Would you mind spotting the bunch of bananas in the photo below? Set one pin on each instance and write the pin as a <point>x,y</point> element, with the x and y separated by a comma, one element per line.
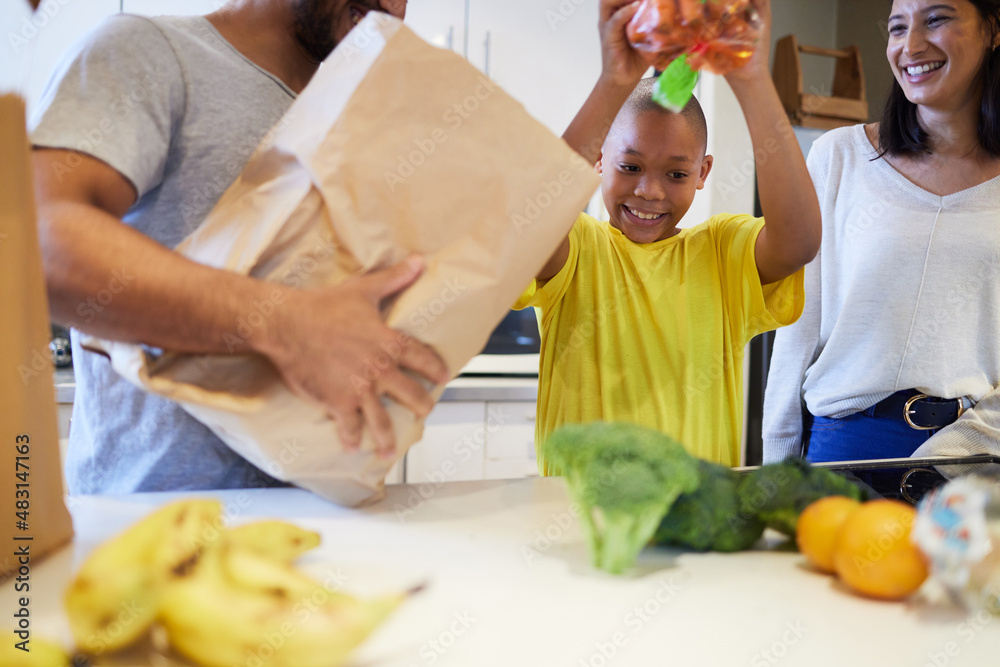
<point>223,596</point>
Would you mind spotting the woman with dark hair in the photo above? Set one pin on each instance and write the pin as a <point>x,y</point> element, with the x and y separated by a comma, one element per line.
<point>901,329</point>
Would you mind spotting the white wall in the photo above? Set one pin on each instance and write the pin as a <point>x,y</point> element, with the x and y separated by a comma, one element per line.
<point>865,22</point>
<point>15,46</point>
<point>814,23</point>
<point>32,45</point>
<point>730,185</point>
<point>835,24</point>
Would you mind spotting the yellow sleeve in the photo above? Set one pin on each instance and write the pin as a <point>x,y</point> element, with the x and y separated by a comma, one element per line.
<point>754,308</point>
<point>545,295</point>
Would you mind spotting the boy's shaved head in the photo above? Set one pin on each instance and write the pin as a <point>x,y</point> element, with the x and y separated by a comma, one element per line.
<point>652,164</point>
<point>641,101</point>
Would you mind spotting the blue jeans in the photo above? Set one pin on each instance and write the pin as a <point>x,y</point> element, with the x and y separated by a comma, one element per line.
<point>860,436</point>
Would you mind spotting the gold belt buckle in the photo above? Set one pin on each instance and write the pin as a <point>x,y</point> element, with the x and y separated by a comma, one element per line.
<point>907,412</point>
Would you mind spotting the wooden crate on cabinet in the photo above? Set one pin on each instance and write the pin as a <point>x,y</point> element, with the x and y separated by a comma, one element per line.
<point>846,106</point>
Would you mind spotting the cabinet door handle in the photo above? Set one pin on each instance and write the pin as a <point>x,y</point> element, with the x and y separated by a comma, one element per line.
<point>451,38</point>
<point>486,54</point>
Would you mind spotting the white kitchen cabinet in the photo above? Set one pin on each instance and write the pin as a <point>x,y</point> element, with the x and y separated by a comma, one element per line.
<point>440,22</point>
<point>64,413</point>
<point>471,440</point>
<point>397,473</point>
<point>453,447</point>
<point>510,440</point>
<point>544,53</point>
<point>34,44</point>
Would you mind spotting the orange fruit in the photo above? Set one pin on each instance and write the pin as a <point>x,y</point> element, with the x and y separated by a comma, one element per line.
<point>819,523</point>
<point>873,553</point>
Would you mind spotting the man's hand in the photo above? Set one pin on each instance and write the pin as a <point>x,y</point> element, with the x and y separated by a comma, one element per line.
<point>331,345</point>
<point>323,341</point>
<point>621,64</point>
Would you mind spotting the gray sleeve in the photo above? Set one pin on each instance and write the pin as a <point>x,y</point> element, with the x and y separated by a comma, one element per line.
<point>794,350</point>
<point>117,99</point>
<point>977,431</point>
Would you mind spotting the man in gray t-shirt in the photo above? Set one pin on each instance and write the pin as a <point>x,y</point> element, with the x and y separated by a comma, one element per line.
<point>148,125</point>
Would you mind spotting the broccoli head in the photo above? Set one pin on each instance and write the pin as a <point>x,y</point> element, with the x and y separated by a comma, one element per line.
<point>778,492</point>
<point>624,477</point>
<point>709,518</point>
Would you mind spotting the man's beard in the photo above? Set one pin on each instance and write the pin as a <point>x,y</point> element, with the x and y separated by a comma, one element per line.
<point>314,21</point>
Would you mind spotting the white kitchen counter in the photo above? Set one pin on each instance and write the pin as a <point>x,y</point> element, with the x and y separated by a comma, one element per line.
<point>496,408</point>
<point>462,388</point>
<point>509,584</point>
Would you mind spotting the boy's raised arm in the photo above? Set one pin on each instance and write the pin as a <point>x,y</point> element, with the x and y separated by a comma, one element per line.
<point>791,235</point>
<point>622,67</point>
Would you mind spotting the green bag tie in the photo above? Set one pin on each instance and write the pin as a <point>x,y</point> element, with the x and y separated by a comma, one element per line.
<point>675,86</point>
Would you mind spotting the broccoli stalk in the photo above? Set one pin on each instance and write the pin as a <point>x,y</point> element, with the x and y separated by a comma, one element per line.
<point>625,477</point>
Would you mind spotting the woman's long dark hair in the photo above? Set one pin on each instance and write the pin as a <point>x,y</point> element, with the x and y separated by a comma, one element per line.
<point>899,130</point>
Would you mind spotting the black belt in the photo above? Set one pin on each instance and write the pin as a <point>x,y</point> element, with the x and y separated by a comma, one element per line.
<point>920,411</point>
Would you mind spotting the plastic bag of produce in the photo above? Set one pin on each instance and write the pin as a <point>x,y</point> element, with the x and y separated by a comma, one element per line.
<point>394,148</point>
<point>681,37</point>
<point>958,530</point>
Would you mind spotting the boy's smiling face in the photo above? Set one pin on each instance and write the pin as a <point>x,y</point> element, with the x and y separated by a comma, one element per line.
<point>651,165</point>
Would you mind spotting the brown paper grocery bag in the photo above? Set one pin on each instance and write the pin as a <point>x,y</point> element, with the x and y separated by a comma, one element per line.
<point>395,147</point>
<point>33,515</point>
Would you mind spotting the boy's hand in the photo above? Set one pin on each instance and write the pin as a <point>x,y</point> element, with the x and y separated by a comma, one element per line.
<point>758,66</point>
<point>622,65</point>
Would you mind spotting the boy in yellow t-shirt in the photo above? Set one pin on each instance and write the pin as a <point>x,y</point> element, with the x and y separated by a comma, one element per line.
<point>647,323</point>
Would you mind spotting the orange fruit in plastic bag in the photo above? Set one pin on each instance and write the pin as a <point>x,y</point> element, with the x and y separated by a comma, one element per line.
<point>818,526</point>
<point>873,553</point>
<point>717,35</point>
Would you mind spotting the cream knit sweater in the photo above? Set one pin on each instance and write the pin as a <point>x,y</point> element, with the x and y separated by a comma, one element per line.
<point>905,293</point>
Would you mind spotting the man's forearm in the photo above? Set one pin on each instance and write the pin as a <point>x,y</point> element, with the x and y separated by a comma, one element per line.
<point>107,279</point>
